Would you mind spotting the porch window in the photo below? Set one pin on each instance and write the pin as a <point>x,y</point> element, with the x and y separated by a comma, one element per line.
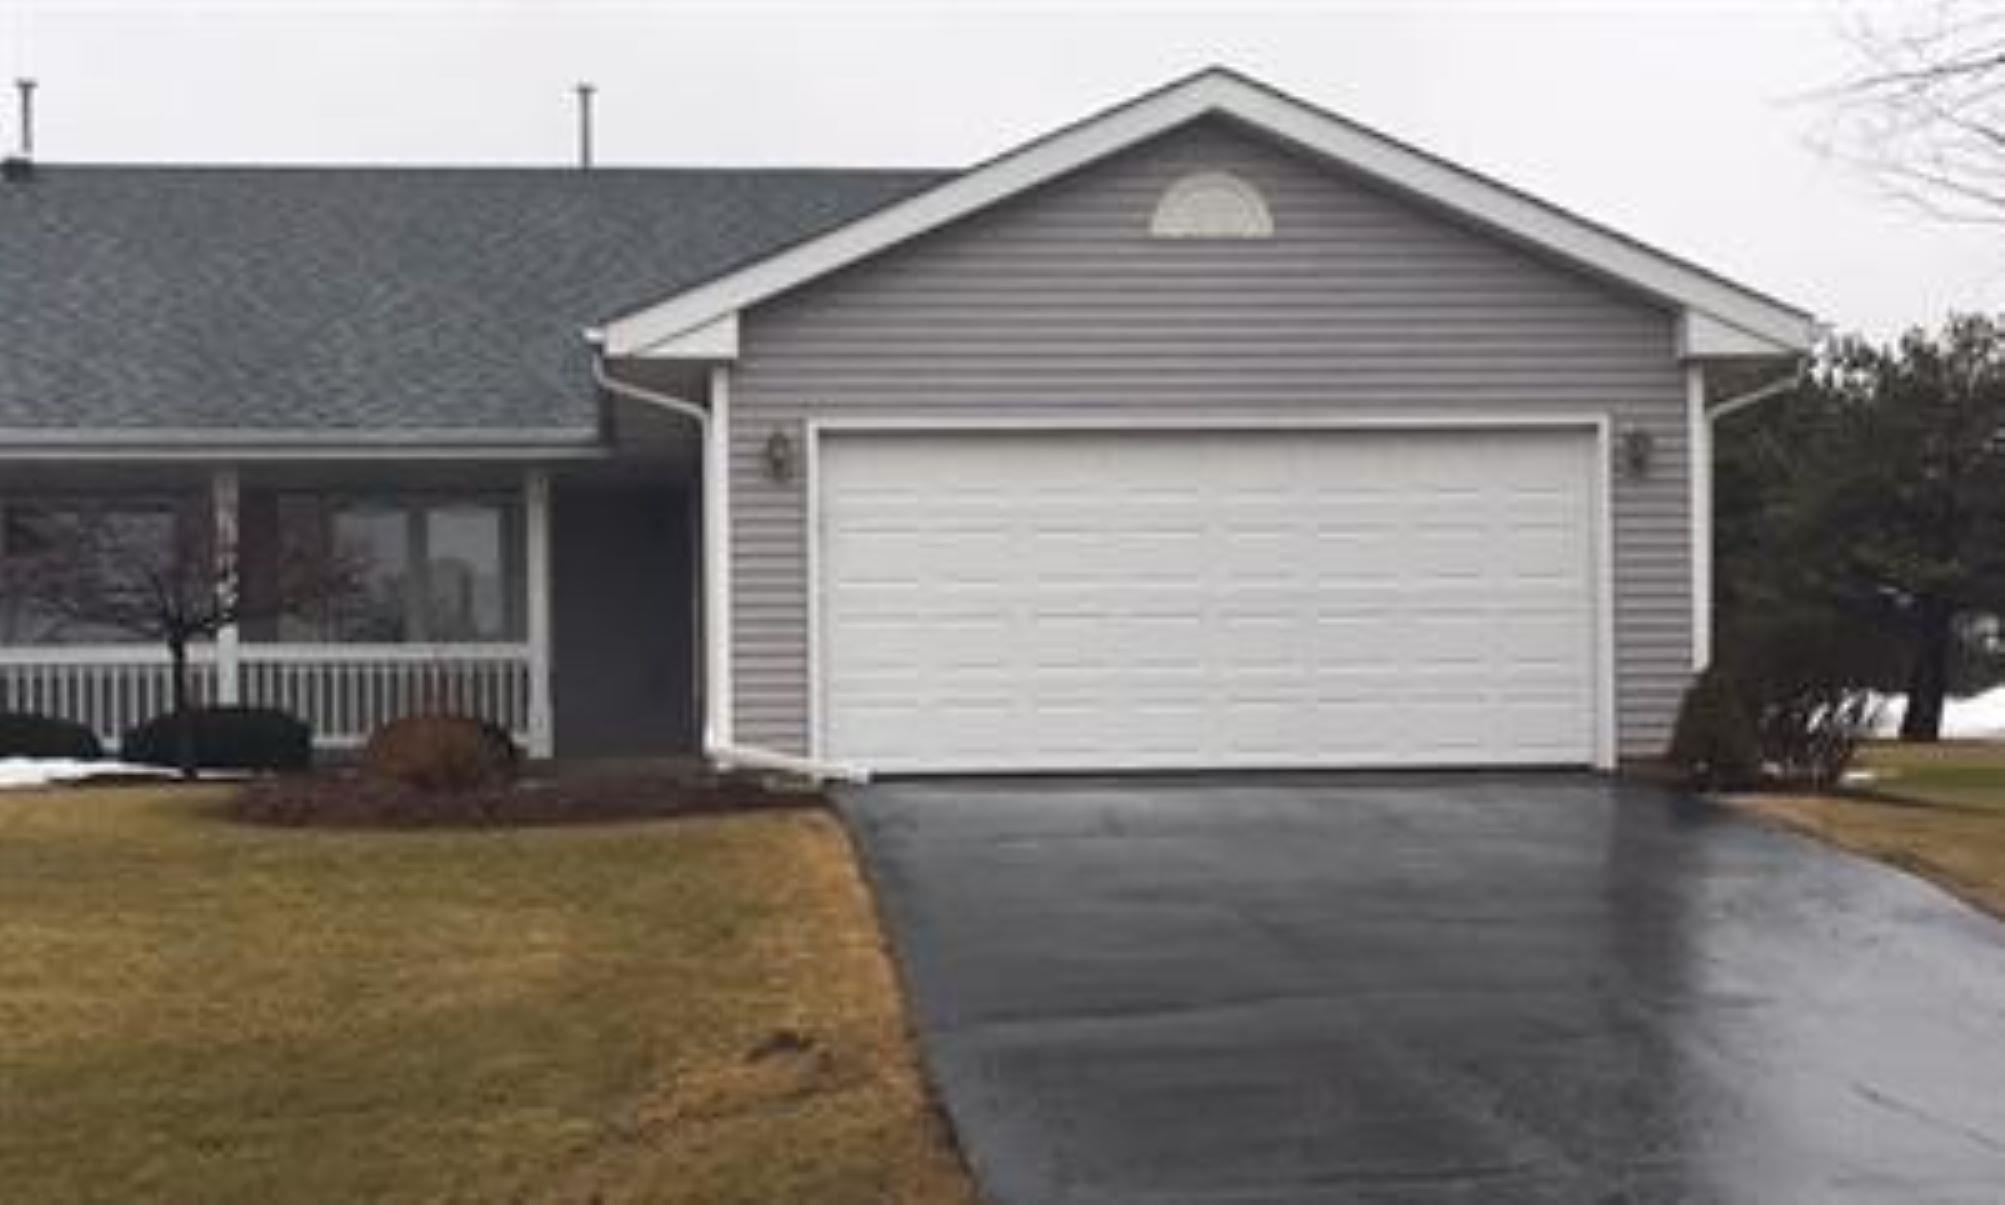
<point>50,544</point>
<point>426,569</point>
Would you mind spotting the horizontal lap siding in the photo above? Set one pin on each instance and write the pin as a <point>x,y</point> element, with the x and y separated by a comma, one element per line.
<point>1059,303</point>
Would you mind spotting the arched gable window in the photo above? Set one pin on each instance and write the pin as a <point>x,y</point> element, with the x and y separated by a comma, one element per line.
<point>1212,205</point>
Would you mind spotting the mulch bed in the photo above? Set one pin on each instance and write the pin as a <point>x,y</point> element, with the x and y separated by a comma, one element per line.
<point>350,799</point>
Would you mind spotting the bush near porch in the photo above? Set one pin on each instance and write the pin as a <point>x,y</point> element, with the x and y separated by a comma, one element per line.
<point>221,738</point>
<point>25,734</point>
<point>690,1011</point>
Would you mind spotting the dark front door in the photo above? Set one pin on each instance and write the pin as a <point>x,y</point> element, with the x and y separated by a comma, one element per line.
<point>623,604</point>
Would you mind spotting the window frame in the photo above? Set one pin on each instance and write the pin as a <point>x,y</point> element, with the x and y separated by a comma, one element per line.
<point>181,507</point>
<point>415,508</point>
<point>1212,205</point>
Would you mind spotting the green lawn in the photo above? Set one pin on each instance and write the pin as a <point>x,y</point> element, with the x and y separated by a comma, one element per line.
<point>1954,773</point>
<point>193,1010</point>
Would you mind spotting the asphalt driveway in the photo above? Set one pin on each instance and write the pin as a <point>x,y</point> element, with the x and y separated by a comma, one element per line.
<point>1456,988</point>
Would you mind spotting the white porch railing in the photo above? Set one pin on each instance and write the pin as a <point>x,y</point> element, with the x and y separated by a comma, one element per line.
<point>344,692</point>
<point>348,691</point>
<point>108,688</point>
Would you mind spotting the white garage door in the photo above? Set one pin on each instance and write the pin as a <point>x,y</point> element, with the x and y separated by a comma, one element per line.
<point>1199,598</point>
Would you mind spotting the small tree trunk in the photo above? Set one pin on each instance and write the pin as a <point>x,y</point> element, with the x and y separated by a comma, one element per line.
<point>1928,676</point>
<point>184,719</point>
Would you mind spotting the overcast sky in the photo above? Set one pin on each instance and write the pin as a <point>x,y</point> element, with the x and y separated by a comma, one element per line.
<point>1692,124</point>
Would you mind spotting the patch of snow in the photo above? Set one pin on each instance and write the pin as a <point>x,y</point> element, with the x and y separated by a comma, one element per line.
<point>1976,718</point>
<point>17,772</point>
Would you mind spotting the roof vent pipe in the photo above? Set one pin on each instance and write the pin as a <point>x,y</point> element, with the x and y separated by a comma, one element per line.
<point>585,91</point>
<point>21,165</point>
<point>26,87</point>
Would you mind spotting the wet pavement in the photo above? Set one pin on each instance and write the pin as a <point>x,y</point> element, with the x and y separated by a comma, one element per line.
<point>1439,988</point>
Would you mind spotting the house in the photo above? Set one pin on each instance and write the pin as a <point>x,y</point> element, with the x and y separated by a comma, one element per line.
<point>1212,430</point>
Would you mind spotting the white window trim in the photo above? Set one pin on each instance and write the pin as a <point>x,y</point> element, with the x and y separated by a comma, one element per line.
<point>1601,515</point>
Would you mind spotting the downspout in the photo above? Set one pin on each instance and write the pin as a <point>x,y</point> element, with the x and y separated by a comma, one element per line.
<point>718,748</point>
<point>1704,421</point>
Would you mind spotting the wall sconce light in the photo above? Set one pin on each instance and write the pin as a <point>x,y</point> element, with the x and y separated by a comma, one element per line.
<point>1638,448</point>
<point>780,456</point>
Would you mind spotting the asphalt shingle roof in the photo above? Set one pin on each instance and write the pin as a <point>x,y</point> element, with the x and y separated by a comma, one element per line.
<point>301,301</point>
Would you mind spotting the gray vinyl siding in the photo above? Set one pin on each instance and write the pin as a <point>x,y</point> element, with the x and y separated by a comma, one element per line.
<point>1059,303</point>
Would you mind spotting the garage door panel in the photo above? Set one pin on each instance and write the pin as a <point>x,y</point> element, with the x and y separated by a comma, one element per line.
<point>1262,558</point>
<point>1182,599</point>
<point>1258,644</point>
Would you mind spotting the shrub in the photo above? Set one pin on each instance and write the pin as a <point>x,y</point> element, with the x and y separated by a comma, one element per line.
<point>225,738</point>
<point>1808,736</point>
<point>1715,742</point>
<point>441,753</point>
<point>23,734</point>
<point>1805,676</point>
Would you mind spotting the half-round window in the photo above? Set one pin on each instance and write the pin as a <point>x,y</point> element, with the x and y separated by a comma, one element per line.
<point>1212,205</point>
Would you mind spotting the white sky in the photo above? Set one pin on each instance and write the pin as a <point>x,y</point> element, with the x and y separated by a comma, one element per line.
<point>1688,123</point>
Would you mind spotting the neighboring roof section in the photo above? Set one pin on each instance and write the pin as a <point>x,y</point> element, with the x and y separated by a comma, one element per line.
<point>1718,317</point>
<point>323,303</point>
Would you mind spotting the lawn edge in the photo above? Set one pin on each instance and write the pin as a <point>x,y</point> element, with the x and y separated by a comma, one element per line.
<point>915,1034</point>
<point>1752,807</point>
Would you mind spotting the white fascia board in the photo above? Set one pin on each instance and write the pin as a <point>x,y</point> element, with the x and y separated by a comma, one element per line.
<point>715,341</point>
<point>1690,289</point>
<point>1704,337</point>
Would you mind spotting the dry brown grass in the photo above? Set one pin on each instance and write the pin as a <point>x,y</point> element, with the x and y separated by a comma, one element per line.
<point>1960,848</point>
<point>696,1010</point>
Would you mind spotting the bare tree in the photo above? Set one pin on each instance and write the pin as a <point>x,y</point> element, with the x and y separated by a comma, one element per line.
<point>1926,114</point>
<point>165,574</point>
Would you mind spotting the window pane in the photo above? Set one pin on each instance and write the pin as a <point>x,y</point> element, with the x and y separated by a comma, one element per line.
<point>75,571</point>
<point>30,530</point>
<point>141,537</point>
<point>466,572</point>
<point>299,537</point>
<point>390,568</point>
<point>375,539</point>
<point>30,538</point>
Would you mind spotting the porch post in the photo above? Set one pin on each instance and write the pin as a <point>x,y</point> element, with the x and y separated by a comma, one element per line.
<point>1699,476</point>
<point>536,528</point>
<point>224,493</point>
<point>718,704</point>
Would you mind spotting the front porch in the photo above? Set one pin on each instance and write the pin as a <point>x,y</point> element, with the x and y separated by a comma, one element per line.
<point>486,589</point>
<point>344,692</point>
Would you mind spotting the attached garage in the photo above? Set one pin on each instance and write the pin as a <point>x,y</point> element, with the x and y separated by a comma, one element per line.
<point>1143,598</point>
<point>1214,430</point>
